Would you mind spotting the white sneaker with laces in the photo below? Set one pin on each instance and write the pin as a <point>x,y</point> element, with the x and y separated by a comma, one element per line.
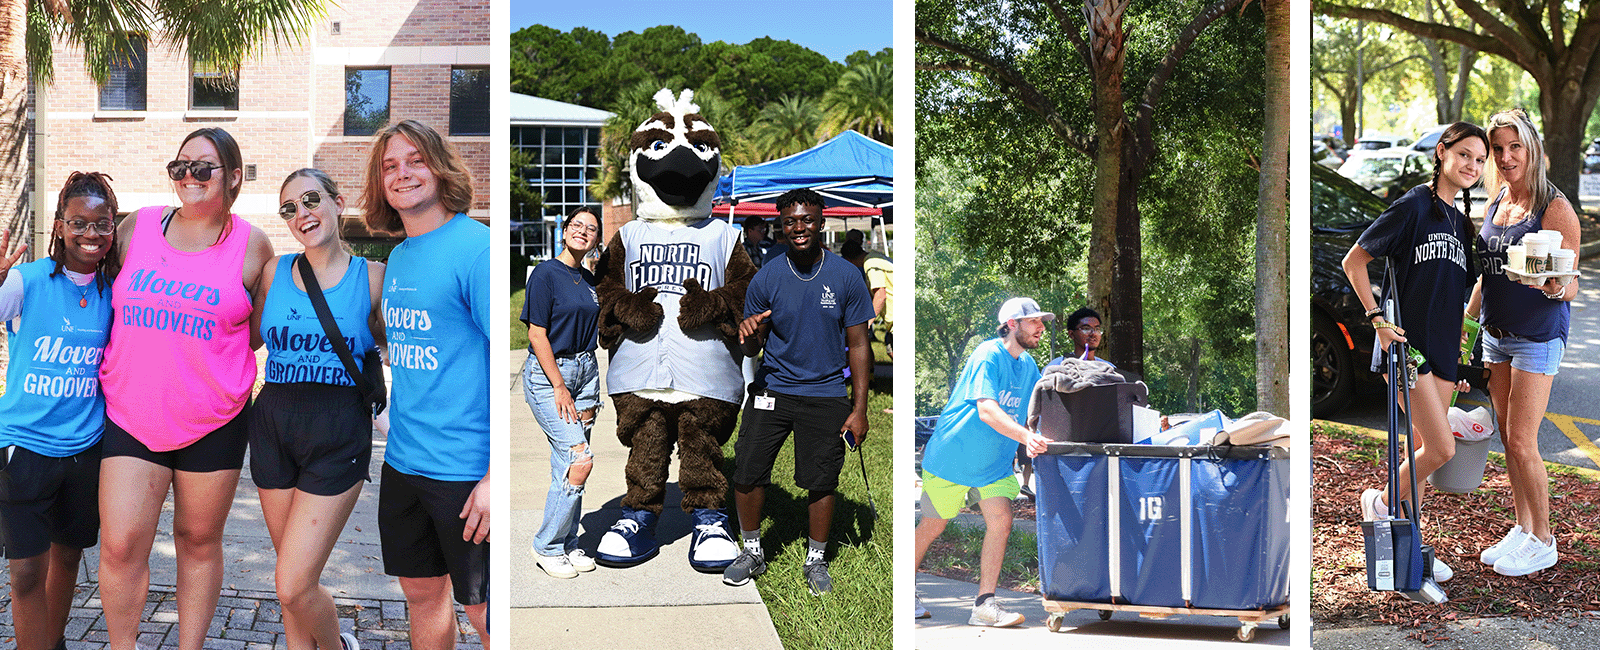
<point>1532,555</point>
<point>1372,506</point>
<point>1512,540</point>
<point>580,560</point>
<point>557,566</point>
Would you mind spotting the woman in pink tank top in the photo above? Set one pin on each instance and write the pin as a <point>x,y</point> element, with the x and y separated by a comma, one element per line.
<point>177,373</point>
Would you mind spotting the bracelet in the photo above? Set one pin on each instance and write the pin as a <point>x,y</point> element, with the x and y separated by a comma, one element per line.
<point>1384,325</point>
<point>1557,295</point>
<point>1374,312</point>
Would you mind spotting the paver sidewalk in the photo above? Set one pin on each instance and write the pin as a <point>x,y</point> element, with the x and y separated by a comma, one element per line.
<point>248,617</point>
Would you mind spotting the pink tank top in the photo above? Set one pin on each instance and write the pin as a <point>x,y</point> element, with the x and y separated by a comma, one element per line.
<point>178,364</point>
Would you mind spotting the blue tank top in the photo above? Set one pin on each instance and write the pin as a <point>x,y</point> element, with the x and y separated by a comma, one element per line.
<point>52,405</point>
<point>1511,306</point>
<point>297,348</point>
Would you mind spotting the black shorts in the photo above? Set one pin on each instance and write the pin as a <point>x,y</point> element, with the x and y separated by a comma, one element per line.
<point>216,451</point>
<point>420,529</point>
<point>316,438</point>
<point>44,500</point>
<point>818,449</point>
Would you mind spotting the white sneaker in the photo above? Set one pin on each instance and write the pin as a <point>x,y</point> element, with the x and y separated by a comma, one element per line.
<point>349,642</point>
<point>1372,506</point>
<point>922,612</point>
<point>1532,555</point>
<point>1441,571</point>
<point>558,566</point>
<point>580,560</point>
<point>1512,540</point>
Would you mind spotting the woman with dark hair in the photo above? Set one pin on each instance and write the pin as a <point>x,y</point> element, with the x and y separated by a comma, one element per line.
<point>1425,239</point>
<point>561,382</point>
<point>178,370</point>
<point>1525,331</point>
<point>310,429</point>
<point>52,419</point>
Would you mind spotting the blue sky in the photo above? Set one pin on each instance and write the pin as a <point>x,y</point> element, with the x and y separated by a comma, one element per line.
<point>834,28</point>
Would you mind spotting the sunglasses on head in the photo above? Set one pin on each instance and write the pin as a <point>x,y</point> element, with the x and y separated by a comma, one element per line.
<point>199,169</point>
<point>311,199</point>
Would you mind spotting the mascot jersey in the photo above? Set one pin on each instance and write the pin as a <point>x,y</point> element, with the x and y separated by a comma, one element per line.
<point>703,361</point>
<point>53,405</point>
<point>436,316</point>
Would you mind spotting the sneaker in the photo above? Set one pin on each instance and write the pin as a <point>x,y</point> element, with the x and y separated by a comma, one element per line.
<point>711,550</point>
<point>631,540</point>
<point>990,614</point>
<point>1511,541</point>
<point>1372,506</point>
<point>748,565</point>
<point>1528,557</point>
<point>817,577</point>
<point>557,566</point>
<point>1441,571</point>
<point>349,642</point>
<point>580,560</point>
<point>922,612</point>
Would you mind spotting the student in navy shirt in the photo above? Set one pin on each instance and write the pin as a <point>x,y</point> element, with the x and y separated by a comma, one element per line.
<point>53,416</point>
<point>561,383</point>
<point>804,309</point>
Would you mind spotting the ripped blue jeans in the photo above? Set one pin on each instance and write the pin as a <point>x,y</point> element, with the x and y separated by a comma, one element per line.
<point>564,502</point>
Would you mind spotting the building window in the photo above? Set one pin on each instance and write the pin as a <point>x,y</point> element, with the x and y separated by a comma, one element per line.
<point>125,82</point>
<point>366,100</point>
<point>213,88</point>
<point>469,101</point>
<point>561,161</point>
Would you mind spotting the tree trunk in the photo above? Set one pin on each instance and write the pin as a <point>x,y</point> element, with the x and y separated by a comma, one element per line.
<point>1106,256</point>
<point>1458,104</point>
<point>14,152</point>
<point>1126,316</point>
<point>1566,114</point>
<point>1272,221</point>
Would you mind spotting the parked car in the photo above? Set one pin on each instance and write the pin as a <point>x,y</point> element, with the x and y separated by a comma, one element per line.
<point>1429,139</point>
<point>1388,173</point>
<point>1377,140</point>
<point>1341,335</point>
<point>1325,156</point>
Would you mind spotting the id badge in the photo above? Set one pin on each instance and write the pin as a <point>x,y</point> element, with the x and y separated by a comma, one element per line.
<point>765,402</point>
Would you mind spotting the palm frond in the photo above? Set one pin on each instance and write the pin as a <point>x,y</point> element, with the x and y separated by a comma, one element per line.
<point>225,33</point>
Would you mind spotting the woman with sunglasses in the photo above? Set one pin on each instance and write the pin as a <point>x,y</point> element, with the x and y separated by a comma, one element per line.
<point>51,422</point>
<point>310,430</point>
<point>561,382</point>
<point>1429,246</point>
<point>178,369</point>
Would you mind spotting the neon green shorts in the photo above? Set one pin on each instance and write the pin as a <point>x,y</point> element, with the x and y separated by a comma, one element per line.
<point>943,499</point>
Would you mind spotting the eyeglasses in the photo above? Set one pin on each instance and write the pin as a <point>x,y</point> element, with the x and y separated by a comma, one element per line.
<point>199,169</point>
<point>312,199</point>
<point>1089,330</point>
<point>79,226</point>
<point>581,227</point>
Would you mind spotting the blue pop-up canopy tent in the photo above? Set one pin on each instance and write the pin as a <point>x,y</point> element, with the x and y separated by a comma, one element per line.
<point>848,170</point>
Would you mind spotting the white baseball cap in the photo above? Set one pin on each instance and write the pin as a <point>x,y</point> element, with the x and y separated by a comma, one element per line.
<point>1016,308</point>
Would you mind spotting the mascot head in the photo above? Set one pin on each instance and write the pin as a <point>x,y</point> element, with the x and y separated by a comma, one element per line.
<point>674,158</point>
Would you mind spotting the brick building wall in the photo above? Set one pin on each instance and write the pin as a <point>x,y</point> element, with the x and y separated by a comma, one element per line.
<point>290,113</point>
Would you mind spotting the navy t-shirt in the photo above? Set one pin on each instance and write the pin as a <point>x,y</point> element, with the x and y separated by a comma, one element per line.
<point>1431,266</point>
<point>806,350</point>
<point>562,300</point>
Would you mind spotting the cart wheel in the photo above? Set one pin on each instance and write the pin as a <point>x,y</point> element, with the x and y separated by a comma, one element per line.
<point>1283,622</point>
<point>1247,632</point>
<point>1105,614</point>
<point>1053,623</point>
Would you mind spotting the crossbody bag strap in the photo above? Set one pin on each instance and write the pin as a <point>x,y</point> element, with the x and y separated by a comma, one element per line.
<point>329,327</point>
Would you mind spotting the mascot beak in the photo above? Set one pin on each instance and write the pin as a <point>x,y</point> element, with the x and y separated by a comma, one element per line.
<point>680,177</point>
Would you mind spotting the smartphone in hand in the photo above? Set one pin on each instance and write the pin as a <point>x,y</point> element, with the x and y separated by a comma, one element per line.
<point>849,437</point>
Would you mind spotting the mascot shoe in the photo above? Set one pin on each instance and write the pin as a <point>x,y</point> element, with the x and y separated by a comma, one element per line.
<point>630,541</point>
<point>710,548</point>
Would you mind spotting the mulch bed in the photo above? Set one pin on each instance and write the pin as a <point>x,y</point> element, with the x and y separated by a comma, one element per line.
<point>1459,526</point>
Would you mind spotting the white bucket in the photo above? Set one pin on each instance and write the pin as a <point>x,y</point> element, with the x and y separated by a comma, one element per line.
<point>1464,471</point>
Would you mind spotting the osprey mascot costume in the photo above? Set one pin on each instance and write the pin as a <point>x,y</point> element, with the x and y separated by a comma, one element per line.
<point>671,294</point>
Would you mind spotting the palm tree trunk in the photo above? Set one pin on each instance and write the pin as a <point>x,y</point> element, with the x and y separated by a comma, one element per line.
<point>1272,221</point>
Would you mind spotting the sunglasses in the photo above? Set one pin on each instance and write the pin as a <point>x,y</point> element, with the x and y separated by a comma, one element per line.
<point>199,169</point>
<point>312,199</point>
<point>79,226</point>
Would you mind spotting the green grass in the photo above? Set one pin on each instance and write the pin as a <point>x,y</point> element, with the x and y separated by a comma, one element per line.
<point>1020,568</point>
<point>519,331</point>
<point>858,613</point>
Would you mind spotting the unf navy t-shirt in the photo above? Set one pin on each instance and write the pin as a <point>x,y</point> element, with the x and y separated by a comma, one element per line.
<point>562,300</point>
<point>964,450</point>
<point>1430,265</point>
<point>806,344</point>
<point>436,311</point>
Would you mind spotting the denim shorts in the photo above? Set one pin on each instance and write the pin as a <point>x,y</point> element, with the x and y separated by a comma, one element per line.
<point>582,376</point>
<point>1524,354</point>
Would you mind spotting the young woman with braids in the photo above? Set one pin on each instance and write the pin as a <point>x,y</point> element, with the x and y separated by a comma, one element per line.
<point>1525,331</point>
<point>52,417</point>
<point>1425,239</point>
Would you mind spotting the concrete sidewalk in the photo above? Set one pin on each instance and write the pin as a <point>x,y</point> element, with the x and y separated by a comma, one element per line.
<point>662,603</point>
<point>248,617</point>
